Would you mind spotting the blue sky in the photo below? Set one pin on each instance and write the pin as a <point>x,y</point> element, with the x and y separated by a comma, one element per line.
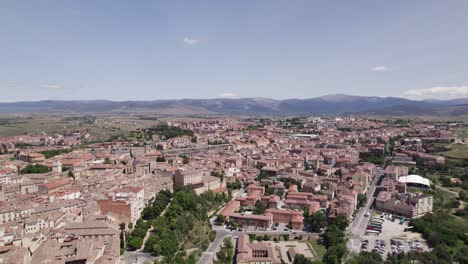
<point>149,50</point>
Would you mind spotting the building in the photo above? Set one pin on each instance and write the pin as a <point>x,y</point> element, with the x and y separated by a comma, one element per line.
<point>394,172</point>
<point>251,220</point>
<point>294,218</point>
<point>93,229</point>
<point>229,209</point>
<point>210,183</point>
<point>184,178</point>
<point>8,213</point>
<point>127,203</point>
<point>261,252</point>
<point>78,251</point>
<point>31,157</point>
<point>272,201</point>
<point>55,186</point>
<point>415,180</point>
<point>408,205</point>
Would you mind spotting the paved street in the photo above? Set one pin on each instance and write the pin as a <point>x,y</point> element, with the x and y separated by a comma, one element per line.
<point>137,257</point>
<point>358,226</point>
<point>222,233</point>
<point>214,246</point>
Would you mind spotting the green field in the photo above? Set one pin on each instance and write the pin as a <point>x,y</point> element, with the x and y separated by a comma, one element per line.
<point>456,151</point>
<point>318,248</point>
<point>462,133</point>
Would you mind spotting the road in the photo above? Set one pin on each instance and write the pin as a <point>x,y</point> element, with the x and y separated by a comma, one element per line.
<point>222,233</point>
<point>137,257</point>
<point>208,255</point>
<point>358,226</point>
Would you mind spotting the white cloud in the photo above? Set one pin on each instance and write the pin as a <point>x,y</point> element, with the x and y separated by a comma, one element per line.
<point>190,41</point>
<point>379,68</point>
<point>440,92</point>
<point>52,86</point>
<point>227,95</point>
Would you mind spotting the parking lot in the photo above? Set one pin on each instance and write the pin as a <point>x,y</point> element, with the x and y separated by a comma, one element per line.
<point>389,236</point>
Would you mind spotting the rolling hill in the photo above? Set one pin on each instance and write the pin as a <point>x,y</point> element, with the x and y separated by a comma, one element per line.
<point>325,105</point>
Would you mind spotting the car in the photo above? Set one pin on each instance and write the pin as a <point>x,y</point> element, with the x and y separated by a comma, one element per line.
<point>366,214</point>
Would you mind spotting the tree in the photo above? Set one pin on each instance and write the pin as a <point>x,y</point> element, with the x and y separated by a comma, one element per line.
<point>185,159</point>
<point>150,243</point>
<point>36,168</point>
<point>365,257</point>
<point>372,158</point>
<point>330,259</point>
<point>122,240</point>
<point>220,219</point>
<point>234,185</point>
<point>301,259</point>
<point>134,243</point>
<point>228,242</point>
<point>54,152</point>
<point>453,203</point>
<point>337,251</point>
<point>362,200</point>
<point>305,212</point>
<point>139,232</point>
<point>107,161</point>
<point>71,174</point>
<point>462,195</point>
<point>218,174</point>
<point>169,244</point>
<point>318,221</point>
<point>233,223</point>
<point>212,235</point>
<point>341,221</point>
<point>259,207</point>
<point>332,236</point>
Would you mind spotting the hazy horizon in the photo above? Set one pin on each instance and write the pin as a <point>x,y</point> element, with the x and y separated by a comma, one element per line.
<point>234,98</point>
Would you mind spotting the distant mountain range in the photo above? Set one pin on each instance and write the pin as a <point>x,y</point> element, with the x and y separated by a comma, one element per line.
<point>325,105</point>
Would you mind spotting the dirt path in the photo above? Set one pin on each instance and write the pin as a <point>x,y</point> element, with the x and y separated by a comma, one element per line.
<point>148,233</point>
<point>462,203</point>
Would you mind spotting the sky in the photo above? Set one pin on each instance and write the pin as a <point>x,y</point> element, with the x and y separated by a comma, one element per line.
<point>151,50</point>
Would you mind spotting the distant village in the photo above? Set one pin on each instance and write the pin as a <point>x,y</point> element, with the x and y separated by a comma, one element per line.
<point>64,198</point>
